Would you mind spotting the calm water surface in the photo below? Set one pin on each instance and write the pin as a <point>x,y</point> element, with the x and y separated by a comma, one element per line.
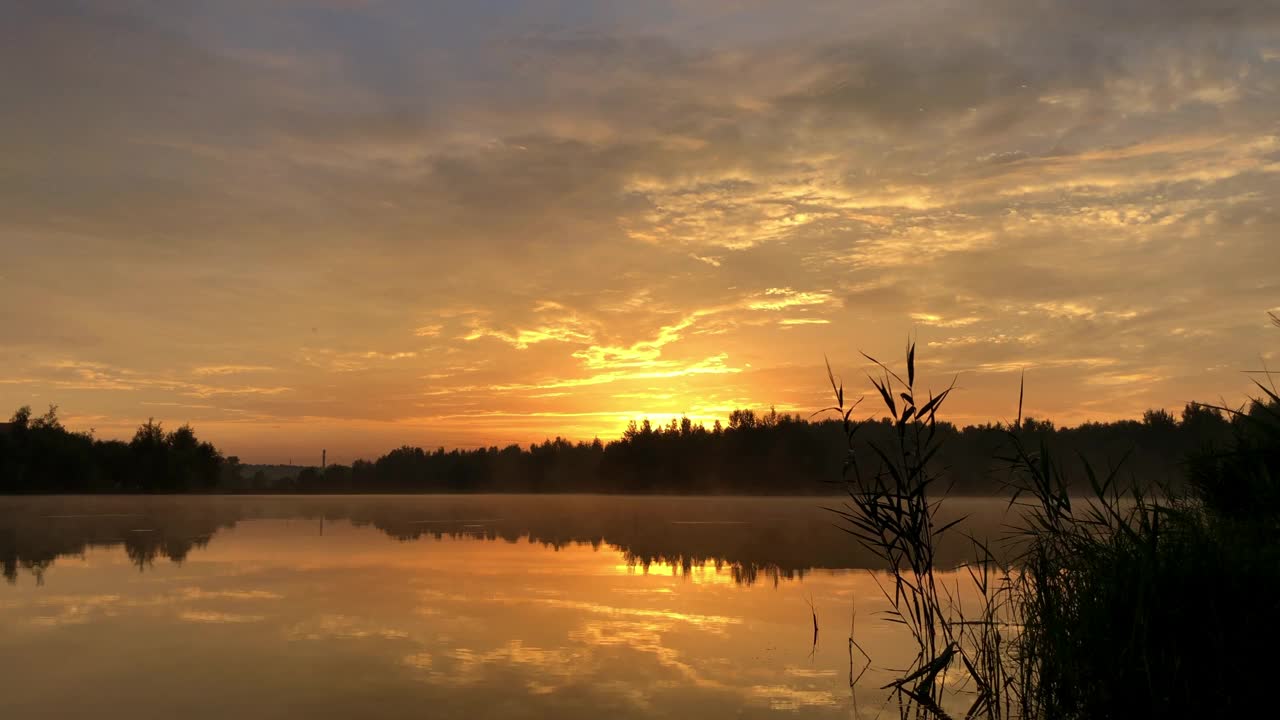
<point>440,606</point>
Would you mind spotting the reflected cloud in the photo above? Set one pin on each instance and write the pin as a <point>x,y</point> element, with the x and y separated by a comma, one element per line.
<point>194,593</point>
<point>343,627</point>
<point>712,623</point>
<point>511,602</point>
<point>785,698</point>
<point>218,618</point>
<point>71,610</point>
<point>645,638</point>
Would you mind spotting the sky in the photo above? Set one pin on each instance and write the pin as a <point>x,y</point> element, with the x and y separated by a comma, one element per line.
<point>358,224</point>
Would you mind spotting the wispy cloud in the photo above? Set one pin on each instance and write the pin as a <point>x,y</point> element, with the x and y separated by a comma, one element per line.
<point>714,365</point>
<point>783,298</point>
<point>230,369</point>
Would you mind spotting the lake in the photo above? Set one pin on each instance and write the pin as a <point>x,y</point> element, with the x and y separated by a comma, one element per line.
<point>444,606</point>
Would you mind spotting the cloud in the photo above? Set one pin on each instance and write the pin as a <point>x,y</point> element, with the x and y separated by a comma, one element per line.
<point>522,339</point>
<point>783,298</point>
<point>332,232</point>
<point>714,365</point>
<point>643,353</point>
<point>69,374</point>
<point>230,369</point>
<point>939,321</point>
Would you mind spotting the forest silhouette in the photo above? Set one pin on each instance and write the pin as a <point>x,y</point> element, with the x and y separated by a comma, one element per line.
<point>767,453</point>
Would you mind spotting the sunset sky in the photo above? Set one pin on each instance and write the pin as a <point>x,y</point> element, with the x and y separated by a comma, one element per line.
<point>359,224</point>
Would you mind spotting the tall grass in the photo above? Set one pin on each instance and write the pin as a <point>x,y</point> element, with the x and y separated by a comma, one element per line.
<point>894,495</point>
<point>1131,602</point>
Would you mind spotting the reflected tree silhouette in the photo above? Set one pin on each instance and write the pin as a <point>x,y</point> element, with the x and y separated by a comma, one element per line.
<point>753,539</point>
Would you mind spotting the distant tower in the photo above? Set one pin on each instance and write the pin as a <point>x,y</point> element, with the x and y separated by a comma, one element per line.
<point>324,458</point>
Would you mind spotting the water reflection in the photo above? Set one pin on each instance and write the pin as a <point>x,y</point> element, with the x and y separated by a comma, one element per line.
<point>749,538</point>
<point>488,607</point>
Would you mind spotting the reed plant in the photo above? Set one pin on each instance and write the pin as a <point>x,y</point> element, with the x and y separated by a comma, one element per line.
<point>1131,601</point>
<point>894,494</point>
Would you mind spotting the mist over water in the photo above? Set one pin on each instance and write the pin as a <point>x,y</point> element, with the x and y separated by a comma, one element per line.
<point>476,606</point>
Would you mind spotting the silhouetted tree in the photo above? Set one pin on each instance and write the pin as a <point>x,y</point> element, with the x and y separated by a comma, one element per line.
<point>39,455</point>
<point>755,453</point>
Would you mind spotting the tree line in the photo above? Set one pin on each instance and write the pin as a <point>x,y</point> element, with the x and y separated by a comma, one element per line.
<point>754,453</point>
<point>39,455</point>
